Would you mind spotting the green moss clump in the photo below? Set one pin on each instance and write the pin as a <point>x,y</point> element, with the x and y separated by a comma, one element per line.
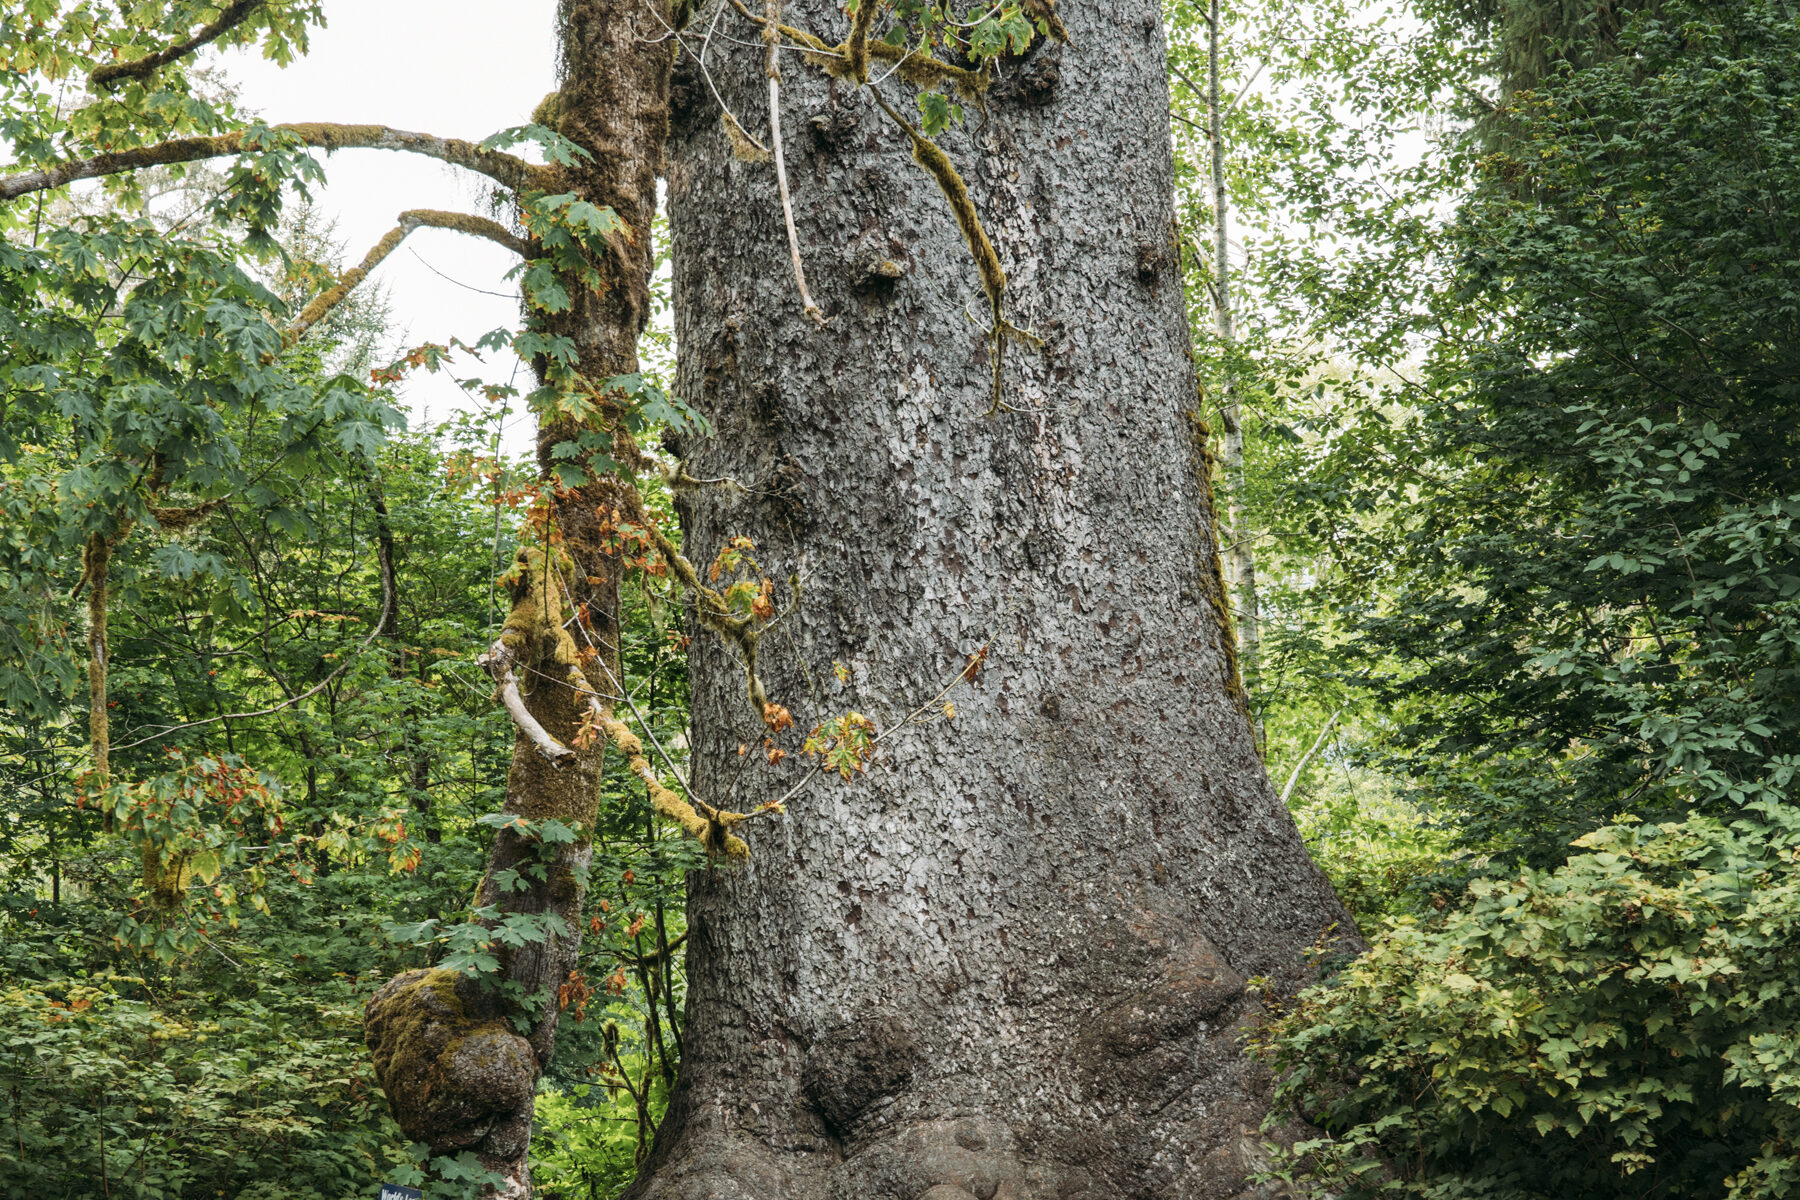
<point>451,1068</point>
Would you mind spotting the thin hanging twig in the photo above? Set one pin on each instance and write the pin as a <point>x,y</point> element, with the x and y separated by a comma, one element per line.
<point>772,68</point>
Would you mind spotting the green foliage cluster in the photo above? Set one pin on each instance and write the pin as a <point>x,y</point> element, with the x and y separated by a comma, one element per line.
<point>245,1026</point>
<point>1532,542</point>
<point>304,765</point>
<point>243,1091</point>
<point>217,1047</point>
<point>207,1046</point>
<point>133,377</point>
<point>1622,1025</point>
<point>581,1148</point>
<point>1590,566</point>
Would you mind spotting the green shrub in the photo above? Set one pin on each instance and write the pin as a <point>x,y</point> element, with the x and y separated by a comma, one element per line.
<point>1382,855</point>
<point>1626,1024</point>
<point>103,1094</point>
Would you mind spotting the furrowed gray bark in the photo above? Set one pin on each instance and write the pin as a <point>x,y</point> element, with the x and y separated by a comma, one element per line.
<point>1011,960</point>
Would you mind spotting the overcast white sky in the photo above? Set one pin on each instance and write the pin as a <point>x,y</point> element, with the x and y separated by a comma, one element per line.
<point>460,68</point>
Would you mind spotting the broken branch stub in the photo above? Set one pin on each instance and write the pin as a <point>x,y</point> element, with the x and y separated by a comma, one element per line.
<point>498,663</point>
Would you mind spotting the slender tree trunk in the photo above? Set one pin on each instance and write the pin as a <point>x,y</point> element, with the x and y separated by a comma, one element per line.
<point>1011,960</point>
<point>450,1056</point>
<point>96,564</point>
<point>96,571</point>
<point>412,744</point>
<point>162,886</point>
<point>1240,555</point>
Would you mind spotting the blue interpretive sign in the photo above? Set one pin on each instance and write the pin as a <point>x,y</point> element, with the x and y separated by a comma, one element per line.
<point>393,1191</point>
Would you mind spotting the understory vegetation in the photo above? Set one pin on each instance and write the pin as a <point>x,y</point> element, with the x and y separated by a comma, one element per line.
<point>1515,356</point>
<point>1531,538</point>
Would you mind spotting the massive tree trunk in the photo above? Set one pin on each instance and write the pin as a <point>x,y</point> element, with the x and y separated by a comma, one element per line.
<point>1011,960</point>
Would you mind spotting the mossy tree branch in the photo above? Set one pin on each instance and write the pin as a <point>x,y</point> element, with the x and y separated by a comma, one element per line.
<point>536,640</point>
<point>322,304</point>
<point>931,157</point>
<point>709,826</point>
<point>715,613</point>
<point>857,47</point>
<point>511,172</point>
<point>229,18</point>
<point>472,225</point>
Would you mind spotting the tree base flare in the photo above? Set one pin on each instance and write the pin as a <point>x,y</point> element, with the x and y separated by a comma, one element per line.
<point>970,1157</point>
<point>1148,1096</point>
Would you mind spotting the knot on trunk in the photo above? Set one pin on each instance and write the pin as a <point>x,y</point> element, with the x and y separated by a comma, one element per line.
<point>455,1074</point>
<point>1037,80</point>
<point>851,1067</point>
<point>876,277</point>
<point>834,130</point>
<point>1196,985</point>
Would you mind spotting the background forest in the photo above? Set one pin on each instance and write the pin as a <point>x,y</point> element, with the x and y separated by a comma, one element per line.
<point>1498,309</point>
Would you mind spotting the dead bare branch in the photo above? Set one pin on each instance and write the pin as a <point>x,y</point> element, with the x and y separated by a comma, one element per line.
<point>498,663</point>
<point>772,69</point>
